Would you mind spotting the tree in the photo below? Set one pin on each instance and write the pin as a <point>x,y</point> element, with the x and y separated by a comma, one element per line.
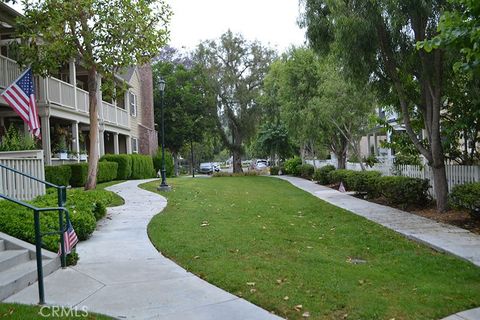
<point>458,30</point>
<point>376,40</point>
<point>236,68</point>
<point>190,105</point>
<point>105,35</point>
<point>273,141</point>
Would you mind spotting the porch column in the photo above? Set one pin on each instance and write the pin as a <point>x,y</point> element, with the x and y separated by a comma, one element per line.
<point>116,149</point>
<point>369,152</point>
<point>389,150</point>
<point>101,141</point>
<point>375,144</point>
<point>128,140</point>
<point>76,140</point>
<point>73,81</point>
<point>46,144</point>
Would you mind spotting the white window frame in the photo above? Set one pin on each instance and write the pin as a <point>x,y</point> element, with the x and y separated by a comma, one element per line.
<point>134,145</point>
<point>133,112</point>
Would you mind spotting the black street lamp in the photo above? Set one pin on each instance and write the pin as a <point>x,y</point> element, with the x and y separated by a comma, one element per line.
<point>163,186</point>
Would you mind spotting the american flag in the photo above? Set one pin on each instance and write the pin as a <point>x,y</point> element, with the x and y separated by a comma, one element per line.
<point>342,188</point>
<point>20,95</point>
<point>70,239</point>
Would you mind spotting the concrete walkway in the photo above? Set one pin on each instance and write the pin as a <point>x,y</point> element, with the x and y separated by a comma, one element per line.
<point>121,274</point>
<point>441,237</point>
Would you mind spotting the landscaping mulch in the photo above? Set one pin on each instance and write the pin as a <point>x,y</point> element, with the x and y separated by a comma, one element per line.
<point>459,218</point>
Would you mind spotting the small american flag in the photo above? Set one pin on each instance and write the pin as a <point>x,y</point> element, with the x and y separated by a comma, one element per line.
<point>342,188</point>
<point>20,95</point>
<point>70,239</point>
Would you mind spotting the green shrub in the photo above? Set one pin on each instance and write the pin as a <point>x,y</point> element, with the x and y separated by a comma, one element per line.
<point>83,207</point>
<point>99,210</point>
<point>274,170</point>
<point>142,167</point>
<point>466,196</point>
<point>364,182</point>
<point>169,165</point>
<point>404,191</point>
<point>340,175</point>
<point>322,175</point>
<point>79,174</point>
<point>292,166</point>
<point>124,161</point>
<point>59,175</point>
<point>107,171</point>
<point>306,171</point>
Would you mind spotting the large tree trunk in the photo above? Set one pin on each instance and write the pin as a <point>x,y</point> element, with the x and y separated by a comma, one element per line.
<point>237,161</point>
<point>441,187</point>
<point>341,160</point>
<point>94,152</point>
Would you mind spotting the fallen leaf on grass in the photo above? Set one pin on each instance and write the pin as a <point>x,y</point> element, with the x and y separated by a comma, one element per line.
<point>298,307</point>
<point>196,257</point>
<point>306,314</point>
<point>286,298</point>
<point>253,290</point>
<point>250,284</point>
<point>204,224</point>
<point>308,247</point>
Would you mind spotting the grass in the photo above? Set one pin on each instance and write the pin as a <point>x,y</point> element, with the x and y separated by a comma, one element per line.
<point>263,239</point>
<point>18,311</point>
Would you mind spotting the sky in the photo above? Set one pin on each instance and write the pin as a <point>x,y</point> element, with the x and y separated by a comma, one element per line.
<point>272,22</point>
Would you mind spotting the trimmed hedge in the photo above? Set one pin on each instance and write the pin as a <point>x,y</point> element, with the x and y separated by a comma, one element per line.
<point>466,196</point>
<point>59,175</point>
<point>169,165</point>
<point>306,171</point>
<point>404,191</point>
<point>107,171</point>
<point>124,162</point>
<point>142,167</point>
<point>364,182</point>
<point>292,166</point>
<point>322,175</point>
<point>341,175</point>
<point>84,207</point>
<point>79,174</point>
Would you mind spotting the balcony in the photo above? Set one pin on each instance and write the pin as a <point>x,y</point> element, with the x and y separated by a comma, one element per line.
<point>56,92</point>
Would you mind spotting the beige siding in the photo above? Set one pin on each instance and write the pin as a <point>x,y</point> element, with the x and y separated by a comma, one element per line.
<point>136,89</point>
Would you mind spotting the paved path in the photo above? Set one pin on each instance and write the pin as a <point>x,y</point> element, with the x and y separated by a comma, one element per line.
<point>442,237</point>
<point>121,274</point>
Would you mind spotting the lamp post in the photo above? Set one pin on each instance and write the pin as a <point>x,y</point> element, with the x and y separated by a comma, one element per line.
<point>163,186</point>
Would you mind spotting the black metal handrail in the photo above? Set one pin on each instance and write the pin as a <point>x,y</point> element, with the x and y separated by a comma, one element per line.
<point>38,238</point>
<point>61,201</point>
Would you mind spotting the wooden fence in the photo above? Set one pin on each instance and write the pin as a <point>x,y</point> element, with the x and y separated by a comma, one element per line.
<point>17,186</point>
<point>456,174</point>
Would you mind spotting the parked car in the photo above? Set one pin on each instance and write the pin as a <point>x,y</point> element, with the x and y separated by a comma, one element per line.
<point>209,167</point>
<point>259,164</point>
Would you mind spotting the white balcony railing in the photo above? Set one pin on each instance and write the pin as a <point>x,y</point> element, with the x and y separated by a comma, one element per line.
<point>63,94</point>
<point>9,71</point>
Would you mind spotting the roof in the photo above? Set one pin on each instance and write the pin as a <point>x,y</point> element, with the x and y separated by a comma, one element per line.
<point>128,73</point>
<point>7,16</point>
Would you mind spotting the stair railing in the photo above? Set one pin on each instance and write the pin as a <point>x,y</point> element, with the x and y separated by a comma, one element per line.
<point>61,200</point>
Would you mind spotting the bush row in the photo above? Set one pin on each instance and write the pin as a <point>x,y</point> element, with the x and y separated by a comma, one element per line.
<point>85,208</point>
<point>169,165</point>
<point>110,167</point>
<point>466,196</point>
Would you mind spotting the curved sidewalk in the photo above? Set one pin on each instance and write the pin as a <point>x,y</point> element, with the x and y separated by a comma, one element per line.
<point>121,274</point>
<point>439,236</point>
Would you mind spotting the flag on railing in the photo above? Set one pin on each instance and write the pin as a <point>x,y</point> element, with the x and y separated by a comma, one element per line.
<point>70,239</point>
<point>20,95</point>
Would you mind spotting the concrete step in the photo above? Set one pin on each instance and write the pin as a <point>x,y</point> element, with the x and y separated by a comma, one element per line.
<point>21,276</point>
<point>11,258</point>
<point>2,245</point>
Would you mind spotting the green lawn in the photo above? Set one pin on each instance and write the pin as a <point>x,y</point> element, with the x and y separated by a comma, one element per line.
<point>279,247</point>
<point>22,312</point>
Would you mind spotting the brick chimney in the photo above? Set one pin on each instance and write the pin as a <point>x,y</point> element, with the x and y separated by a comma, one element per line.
<point>148,143</point>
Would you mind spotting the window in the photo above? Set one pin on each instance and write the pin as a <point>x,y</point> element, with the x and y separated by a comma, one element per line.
<point>133,104</point>
<point>134,145</point>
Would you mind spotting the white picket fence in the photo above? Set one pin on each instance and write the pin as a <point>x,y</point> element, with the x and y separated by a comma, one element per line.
<point>456,174</point>
<point>17,186</point>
